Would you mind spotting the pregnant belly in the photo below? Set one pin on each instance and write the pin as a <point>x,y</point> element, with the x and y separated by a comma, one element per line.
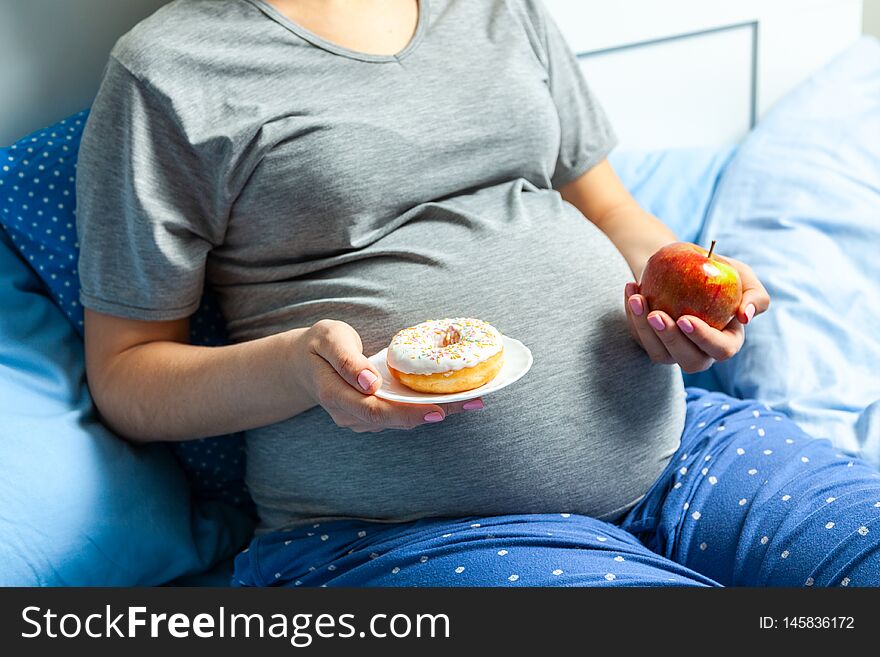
<point>586,431</point>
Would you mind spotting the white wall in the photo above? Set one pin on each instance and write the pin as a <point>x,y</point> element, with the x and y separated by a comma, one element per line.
<point>704,67</point>
<point>871,18</point>
<point>50,62</point>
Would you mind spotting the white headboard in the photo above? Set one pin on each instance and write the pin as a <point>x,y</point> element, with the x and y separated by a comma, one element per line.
<point>678,73</point>
<point>670,72</point>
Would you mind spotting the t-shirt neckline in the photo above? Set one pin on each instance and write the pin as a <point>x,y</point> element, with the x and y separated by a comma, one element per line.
<point>324,44</point>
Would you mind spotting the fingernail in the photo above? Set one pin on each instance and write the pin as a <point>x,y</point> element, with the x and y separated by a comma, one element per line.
<point>750,312</point>
<point>636,305</point>
<point>473,405</point>
<point>656,322</point>
<point>433,416</point>
<point>630,289</point>
<point>685,325</point>
<point>366,378</point>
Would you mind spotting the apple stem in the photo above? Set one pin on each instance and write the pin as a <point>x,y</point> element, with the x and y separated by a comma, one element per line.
<point>711,248</point>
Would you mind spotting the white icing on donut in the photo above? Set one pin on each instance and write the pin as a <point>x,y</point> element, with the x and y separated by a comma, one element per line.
<point>442,345</point>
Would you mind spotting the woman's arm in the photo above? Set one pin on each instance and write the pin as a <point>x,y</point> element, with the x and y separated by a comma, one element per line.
<point>149,384</point>
<point>689,341</point>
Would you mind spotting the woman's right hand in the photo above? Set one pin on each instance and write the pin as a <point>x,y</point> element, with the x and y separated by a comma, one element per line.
<point>339,378</point>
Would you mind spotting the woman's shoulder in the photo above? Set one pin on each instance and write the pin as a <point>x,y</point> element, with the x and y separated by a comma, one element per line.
<point>531,16</point>
<point>182,36</point>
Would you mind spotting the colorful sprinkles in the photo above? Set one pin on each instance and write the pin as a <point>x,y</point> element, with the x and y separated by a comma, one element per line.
<point>440,345</point>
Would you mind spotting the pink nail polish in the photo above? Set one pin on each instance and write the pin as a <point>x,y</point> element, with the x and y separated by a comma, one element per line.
<point>433,416</point>
<point>685,325</point>
<point>750,311</point>
<point>636,305</point>
<point>473,405</point>
<point>656,322</point>
<point>366,378</point>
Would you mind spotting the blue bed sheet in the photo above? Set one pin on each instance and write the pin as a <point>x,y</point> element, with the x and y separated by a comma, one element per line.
<point>676,185</point>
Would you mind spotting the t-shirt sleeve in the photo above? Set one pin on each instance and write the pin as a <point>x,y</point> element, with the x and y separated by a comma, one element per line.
<point>587,136</point>
<point>147,211</point>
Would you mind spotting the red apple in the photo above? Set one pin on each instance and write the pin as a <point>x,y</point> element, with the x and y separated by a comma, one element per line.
<point>685,279</point>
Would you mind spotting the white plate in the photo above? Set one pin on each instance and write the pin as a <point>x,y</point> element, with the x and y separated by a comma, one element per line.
<point>517,361</point>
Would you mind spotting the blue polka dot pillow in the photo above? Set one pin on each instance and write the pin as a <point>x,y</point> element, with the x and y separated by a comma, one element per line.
<point>38,211</point>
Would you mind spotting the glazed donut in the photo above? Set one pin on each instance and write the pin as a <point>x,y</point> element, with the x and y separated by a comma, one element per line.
<point>446,355</point>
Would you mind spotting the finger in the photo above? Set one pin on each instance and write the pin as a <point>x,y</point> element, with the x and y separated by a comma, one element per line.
<point>720,345</point>
<point>685,352</point>
<point>637,313</point>
<point>461,407</point>
<point>340,345</point>
<point>755,299</point>
<point>629,290</point>
<point>357,424</point>
<point>396,415</point>
<point>754,302</point>
<point>406,416</point>
<point>368,413</point>
<point>373,411</point>
<point>336,396</point>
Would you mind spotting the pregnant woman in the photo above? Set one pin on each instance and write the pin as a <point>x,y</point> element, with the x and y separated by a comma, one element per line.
<point>337,171</point>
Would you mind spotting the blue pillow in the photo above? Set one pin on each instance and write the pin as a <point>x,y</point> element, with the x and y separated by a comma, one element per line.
<point>799,202</point>
<point>38,210</point>
<point>675,185</point>
<point>79,505</point>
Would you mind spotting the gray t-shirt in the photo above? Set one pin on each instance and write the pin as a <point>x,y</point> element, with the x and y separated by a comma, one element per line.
<point>301,180</point>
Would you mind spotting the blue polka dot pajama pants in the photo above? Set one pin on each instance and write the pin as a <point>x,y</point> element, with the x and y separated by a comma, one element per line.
<point>749,499</point>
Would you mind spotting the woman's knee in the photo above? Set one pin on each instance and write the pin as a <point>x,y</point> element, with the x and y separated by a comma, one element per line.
<point>750,499</point>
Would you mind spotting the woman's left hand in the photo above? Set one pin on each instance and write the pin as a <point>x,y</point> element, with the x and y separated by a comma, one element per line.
<point>690,341</point>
